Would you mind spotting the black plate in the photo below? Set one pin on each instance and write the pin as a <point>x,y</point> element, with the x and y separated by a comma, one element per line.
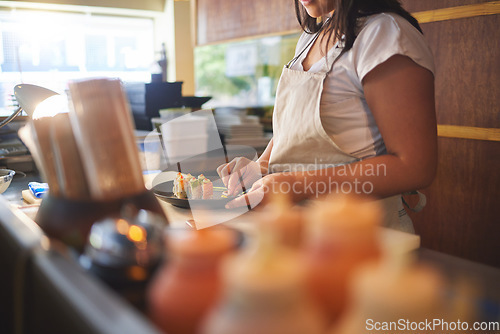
<point>164,192</point>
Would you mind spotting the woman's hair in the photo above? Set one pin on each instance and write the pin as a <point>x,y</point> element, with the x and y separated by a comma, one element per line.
<point>344,21</point>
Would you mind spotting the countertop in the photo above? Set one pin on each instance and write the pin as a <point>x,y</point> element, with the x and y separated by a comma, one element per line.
<point>484,278</point>
<point>178,218</point>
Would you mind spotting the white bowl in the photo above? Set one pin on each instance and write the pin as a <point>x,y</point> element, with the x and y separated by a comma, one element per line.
<point>6,176</point>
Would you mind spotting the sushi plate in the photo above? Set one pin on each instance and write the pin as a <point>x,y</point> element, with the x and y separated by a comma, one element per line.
<point>164,192</point>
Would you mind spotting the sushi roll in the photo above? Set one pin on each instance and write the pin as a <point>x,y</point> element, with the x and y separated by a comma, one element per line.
<point>208,189</point>
<point>196,191</point>
<point>190,187</point>
<point>179,189</point>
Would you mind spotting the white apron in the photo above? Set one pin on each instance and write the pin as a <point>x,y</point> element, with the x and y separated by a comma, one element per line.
<point>300,142</point>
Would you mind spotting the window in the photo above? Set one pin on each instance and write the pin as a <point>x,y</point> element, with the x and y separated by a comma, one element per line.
<point>50,48</point>
<point>243,74</point>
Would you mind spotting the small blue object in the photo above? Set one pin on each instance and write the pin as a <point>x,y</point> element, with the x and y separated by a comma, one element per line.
<point>147,172</point>
<point>38,189</point>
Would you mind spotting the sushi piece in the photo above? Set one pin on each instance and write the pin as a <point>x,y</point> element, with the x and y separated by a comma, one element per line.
<point>179,189</point>
<point>208,189</point>
<point>187,181</point>
<point>196,191</point>
<point>189,177</point>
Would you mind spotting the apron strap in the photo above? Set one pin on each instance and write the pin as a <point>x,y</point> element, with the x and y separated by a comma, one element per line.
<point>337,45</point>
<point>294,59</point>
<point>422,201</point>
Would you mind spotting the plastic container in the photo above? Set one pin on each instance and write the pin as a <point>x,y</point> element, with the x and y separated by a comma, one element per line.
<point>184,137</point>
<point>176,149</point>
<point>187,286</point>
<point>184,127</point>
<point>340,236</point>
<point>388,292</point>
<point>150,151</point>
<point>264,293</point>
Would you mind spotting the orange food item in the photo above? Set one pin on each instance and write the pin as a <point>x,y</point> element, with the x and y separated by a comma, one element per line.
<point>340,236</point>
<point>189,284</point>
<point>264,292</point>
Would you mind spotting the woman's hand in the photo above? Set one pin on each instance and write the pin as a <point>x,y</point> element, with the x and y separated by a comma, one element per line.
<point>240,174</point>
<point>263,188</point>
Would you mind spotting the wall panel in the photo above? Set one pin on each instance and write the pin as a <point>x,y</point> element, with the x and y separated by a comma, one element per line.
<point>461,216</point>
<point>467,72</point>
<point>421,5</point>
<point>221,20</point>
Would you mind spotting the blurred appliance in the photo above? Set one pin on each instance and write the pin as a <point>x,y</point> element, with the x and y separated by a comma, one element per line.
<point>147,99</point>
<point>13,153</point>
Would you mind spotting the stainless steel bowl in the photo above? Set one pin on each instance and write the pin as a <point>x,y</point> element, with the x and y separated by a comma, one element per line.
<point>6,176</point>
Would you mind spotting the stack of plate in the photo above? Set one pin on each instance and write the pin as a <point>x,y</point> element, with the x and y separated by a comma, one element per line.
<point>239,128</point>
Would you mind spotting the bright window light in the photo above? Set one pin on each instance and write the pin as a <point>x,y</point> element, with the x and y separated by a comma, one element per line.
<point>50,48</point>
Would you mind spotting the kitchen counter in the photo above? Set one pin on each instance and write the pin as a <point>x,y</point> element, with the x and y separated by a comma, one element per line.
<point>61,296</point>
<point>44,290</point>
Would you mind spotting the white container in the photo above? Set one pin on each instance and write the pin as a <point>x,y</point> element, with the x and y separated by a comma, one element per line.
<point>172,113</point>
<point>182,148</point>
<point>184,127</point>
<point>150,151</point>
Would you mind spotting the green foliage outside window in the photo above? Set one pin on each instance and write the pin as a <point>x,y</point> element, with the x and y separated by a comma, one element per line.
<point>271,54</point>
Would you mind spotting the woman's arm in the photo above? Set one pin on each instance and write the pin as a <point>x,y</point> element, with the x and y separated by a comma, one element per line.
<point>400,95</point>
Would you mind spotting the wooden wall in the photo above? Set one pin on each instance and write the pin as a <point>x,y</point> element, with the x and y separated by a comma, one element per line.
<point>222,20</point>
<point>462,217</point>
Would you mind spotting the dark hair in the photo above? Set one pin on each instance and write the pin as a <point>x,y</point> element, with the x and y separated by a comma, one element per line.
<point>345,18</point>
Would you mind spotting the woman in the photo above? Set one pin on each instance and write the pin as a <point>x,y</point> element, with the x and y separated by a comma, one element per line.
<point>354,110</point>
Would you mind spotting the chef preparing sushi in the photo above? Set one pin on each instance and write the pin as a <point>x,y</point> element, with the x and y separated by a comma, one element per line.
<point>354,111</point>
